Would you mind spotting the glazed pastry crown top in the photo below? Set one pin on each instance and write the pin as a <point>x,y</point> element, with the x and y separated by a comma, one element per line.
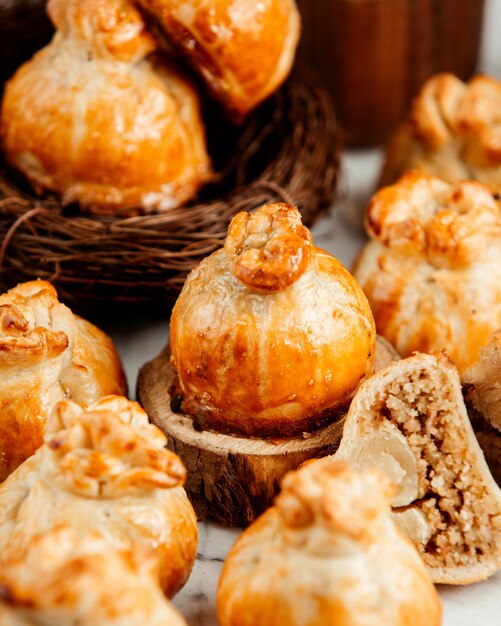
<point>328,507</point>
<point>32,321</point>
<point>110,27</point>
<point>108,450</point>
<point>270,248</point>
<point>447,108</point>
<point>449,225</point>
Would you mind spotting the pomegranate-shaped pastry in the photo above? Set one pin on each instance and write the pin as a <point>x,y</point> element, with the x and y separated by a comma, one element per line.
<point>99,119</point>
<point>243,49</point>
<point>432,272</point>
<point>327,554</point>
<point>270,335</point>
<point>104,469</point>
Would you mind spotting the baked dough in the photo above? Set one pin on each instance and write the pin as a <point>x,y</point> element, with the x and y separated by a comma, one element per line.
<point>243,49</point>
<point>104,469</point>
<point>432,272</point>
<point>47,354</point>
<point>65,579</point>
<point>270,335</point>
<point>482,392</point>
<point>99,119</point>
<point>453,131</point>
<point>410,421</point>
<point>327,553</point>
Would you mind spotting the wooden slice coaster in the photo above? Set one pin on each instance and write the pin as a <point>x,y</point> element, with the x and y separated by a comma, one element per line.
<point>232,479</point>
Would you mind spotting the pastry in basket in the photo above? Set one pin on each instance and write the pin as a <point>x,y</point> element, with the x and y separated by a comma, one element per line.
<point>328,552</point>
<point>410,420</point>
<point>47,354</point>
<point>482,392</point>
<point>64,578</point>
<point>452,131</point>
<point>270,335</point>
<point>102,121</point>
<point>432,272</point>
<point>105,469</point>
<point>243,49</point>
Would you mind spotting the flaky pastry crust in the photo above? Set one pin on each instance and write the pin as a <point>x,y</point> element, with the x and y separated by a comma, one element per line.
<point>64,579</point>
<point>243,49</point>
<point>432,272</point>
<point>270,335</point>
<point>104,469</point>
<point>410,421</point>
<point>327,553</point>
<point>47,354</point>
<point>126,134</point>
<point>453,131</point>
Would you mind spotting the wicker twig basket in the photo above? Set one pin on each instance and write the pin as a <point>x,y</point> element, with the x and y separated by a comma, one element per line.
<point>287,150</point>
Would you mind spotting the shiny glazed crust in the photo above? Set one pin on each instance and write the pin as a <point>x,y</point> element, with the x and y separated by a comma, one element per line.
<point>243,49</point>
<point>66,579</point>
<point>270,335</point>
<point>452,131</point>
<point>327,553</point>
<point>126,134</point>
<point>46,355</point>
<point>104,469</point>
<point>432,272</point>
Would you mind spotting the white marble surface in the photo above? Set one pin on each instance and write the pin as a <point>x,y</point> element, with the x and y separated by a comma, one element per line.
<point>340,233</point>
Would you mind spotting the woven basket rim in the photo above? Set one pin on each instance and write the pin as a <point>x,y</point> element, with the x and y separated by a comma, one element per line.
<point>146,258</point>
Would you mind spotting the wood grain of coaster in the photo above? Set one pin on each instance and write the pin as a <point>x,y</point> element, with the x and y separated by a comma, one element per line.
<point>233,479</point>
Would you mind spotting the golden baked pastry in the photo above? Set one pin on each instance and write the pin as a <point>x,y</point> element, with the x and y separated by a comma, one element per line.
<point>105,469</point>
<point>432,272</point>
<point>270,335</point>
<point>410,421</point>
<point>64,579</point>
<point>47,354</point>
<point>483,381</point>
<point>327,553</point>
<point>482,392</point>
<point>97,119</point>
<point>453,131</point>
<point>243,49</point>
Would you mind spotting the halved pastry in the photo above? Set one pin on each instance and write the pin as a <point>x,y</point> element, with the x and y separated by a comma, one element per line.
<point>64,578</point>
<point>432,272</point>
<point>243,49</point>
<point>453,131</point>
<point>47,354</point>
<point>328,553</point>
<point>106,469</point>
<point>98,119</point>
<point>270,335</point>
<point>410,420</point>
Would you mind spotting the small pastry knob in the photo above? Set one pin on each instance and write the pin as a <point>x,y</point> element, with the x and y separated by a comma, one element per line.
<point>271,248</point>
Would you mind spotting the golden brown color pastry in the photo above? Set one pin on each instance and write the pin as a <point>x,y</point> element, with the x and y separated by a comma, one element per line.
<point>65,579</point>
<point>105,469</point>
<point>410,420</point>
<point>327,554</point>
<point>432,272</point>
<point>453,131</point>
<point>483,381</point>
<point>47,354</point>
<point>97,119</point>
<point>243,49</point>
<point>482,392</point>
<point>270,335</point>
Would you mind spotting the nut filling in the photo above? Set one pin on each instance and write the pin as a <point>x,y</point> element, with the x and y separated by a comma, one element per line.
<point>452,494</point>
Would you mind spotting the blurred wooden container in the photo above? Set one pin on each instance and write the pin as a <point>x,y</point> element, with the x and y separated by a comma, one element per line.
<point>373,55</point>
